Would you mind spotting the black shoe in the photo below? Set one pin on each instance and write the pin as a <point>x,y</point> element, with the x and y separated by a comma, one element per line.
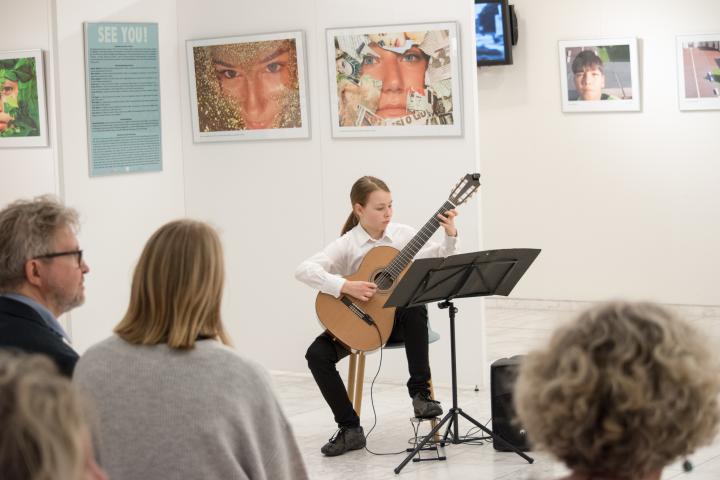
<point>345,439</point>
<point>425,407</point>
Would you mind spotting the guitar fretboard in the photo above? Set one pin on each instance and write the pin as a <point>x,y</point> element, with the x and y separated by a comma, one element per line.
<point>406,255</point>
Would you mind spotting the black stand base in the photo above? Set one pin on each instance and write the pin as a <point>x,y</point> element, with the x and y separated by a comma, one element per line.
<point>434,446</point>
<point>453,416</point>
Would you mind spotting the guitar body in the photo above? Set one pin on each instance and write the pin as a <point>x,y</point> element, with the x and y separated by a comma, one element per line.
<point>347,318</point>
<point>344,324</point>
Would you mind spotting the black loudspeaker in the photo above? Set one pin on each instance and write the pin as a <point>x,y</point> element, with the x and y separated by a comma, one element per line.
<point>503,373</point>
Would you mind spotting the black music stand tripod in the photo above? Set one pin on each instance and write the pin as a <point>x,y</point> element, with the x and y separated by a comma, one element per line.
<point>492,272</point>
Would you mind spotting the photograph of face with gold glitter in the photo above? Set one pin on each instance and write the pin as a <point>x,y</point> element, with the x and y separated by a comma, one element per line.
<point>394,78</point>
<point>247,86</point>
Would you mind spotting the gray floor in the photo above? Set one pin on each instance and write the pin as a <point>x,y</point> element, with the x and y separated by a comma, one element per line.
<point>313,425</point>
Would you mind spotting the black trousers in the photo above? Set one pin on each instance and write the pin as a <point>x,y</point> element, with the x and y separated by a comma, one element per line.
<point>324,353</point>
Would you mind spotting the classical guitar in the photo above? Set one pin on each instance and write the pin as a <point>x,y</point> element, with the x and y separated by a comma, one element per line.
<point>352,321</point>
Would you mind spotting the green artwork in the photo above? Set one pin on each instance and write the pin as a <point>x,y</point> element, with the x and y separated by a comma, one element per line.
<point>19,111</point>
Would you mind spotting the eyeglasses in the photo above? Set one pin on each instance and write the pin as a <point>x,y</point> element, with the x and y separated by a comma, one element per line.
<point>78,253</point>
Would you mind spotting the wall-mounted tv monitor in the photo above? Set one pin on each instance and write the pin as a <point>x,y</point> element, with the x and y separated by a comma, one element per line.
<point>493,32</point>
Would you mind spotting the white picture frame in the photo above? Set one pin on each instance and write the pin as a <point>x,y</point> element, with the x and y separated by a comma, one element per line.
<point>698,63</point>
<point>23,113</point>
<point>223,110</point>
<point>428,101</point>
<point>609,80</point>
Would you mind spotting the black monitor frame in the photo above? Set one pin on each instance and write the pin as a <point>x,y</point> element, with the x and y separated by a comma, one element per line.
<point>508,34</point>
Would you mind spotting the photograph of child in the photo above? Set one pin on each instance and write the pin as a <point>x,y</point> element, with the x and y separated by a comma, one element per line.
<point>599,75</point>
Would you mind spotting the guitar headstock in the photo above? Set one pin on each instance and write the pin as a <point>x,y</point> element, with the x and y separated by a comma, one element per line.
<point>465,188</point>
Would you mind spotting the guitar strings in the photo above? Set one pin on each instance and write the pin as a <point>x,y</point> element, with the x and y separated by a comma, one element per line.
<point>401,260</point>
<point>430,226</point>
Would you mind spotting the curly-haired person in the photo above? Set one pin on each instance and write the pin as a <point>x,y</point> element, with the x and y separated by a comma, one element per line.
<point>621,392</point>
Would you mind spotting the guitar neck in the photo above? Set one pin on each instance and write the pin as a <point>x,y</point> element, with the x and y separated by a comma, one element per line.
<point>407,254</point>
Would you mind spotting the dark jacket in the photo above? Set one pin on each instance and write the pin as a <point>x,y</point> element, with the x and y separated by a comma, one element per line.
<point>21,327</point>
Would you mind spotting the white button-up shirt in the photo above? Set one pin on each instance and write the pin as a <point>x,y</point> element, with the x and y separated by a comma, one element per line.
<point>325,270</point>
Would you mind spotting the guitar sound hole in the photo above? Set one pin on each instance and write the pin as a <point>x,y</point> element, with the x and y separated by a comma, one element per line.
<point>383,280</point>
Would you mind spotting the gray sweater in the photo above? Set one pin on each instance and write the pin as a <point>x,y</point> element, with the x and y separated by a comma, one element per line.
<point>205,413</point>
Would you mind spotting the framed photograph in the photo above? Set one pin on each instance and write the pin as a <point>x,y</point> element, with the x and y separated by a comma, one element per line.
<point>249,87</point>
<point>23,119</point>
<point>395,81</point>
<point>599,75</point>
<point>699,72</point>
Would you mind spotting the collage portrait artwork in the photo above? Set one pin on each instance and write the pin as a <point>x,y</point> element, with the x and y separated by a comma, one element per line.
<point>395,81</point>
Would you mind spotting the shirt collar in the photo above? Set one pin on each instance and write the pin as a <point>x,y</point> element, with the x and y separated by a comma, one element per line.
<point>42,310</point>
<point>362,237</point>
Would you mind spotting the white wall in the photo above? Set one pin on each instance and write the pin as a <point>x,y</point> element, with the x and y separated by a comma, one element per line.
<point>279,202</point>
<point>621,203</point>
<point>27,172</point>
<point>118,212</point>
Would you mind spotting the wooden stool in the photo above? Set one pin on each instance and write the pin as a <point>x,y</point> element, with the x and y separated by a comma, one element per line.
<point>356,375</point>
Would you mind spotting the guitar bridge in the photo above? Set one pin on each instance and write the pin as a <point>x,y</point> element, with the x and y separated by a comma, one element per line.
<point>359,312</point>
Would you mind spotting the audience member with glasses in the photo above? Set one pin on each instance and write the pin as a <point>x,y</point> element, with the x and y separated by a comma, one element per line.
<point>41,277</point>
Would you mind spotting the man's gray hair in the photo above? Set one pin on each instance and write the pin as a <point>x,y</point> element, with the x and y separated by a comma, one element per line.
<point>27,230</point>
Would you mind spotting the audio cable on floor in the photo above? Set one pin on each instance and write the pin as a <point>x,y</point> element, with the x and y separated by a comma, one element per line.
<point>372,401</point>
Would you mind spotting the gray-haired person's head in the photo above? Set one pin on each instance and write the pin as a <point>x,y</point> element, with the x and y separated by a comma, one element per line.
<point>27,230</point>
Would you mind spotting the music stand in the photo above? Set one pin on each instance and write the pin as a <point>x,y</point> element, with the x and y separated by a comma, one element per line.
<point>492,272</point>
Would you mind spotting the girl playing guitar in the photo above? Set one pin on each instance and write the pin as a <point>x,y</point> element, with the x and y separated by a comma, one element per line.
<point>368,226</point>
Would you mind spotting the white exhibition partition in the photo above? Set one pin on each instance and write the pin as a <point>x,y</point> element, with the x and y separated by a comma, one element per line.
<point>622,204</point>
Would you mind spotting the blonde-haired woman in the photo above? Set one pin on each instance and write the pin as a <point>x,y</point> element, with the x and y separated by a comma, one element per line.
<point>45,432</point>
<point>174,399</point>
<point>620,393</point>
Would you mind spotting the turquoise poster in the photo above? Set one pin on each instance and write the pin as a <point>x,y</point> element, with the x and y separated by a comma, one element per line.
<point>122,73</point>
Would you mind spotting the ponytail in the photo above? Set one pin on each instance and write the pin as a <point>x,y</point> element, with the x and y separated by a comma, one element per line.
<point>350,223</point>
